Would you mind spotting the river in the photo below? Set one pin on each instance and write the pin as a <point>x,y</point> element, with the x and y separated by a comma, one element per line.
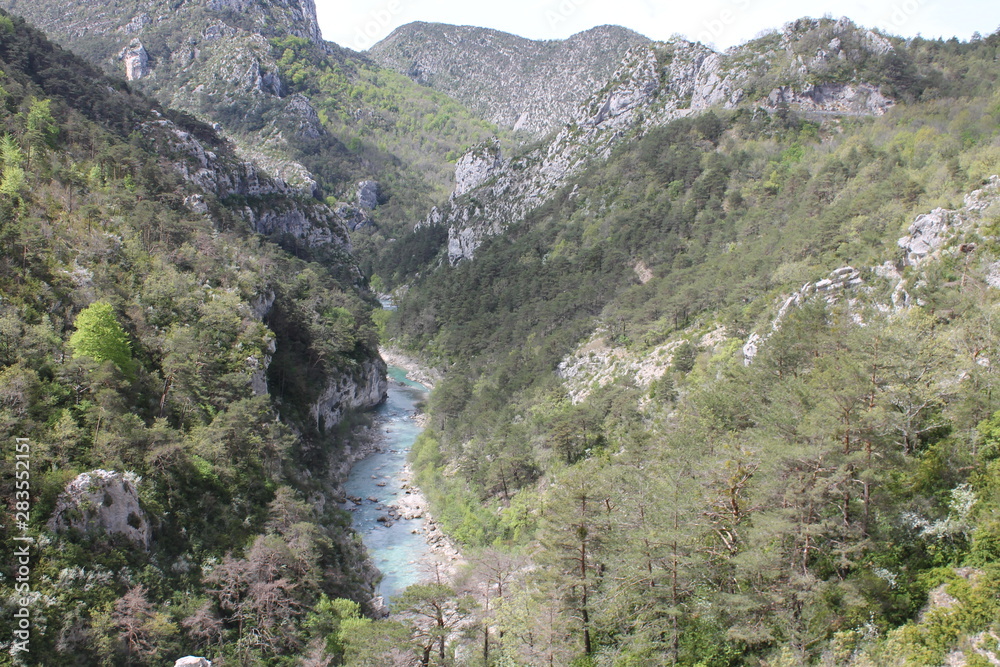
<point>396,550</point>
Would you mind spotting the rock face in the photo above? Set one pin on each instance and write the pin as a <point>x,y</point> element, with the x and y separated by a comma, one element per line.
<point>516,83</point>
<point>212,58</point>
<point>136,60</point>
<point>274,207</point>
<point>477,166</point>
<point>929,232</point>
<point>364,388</point>
<point>833,98</point>
<point>102,500</point>
<point>654,84</point>
<point>270,17</point>
<point>926,234</point>
<point>354,218</point>
<point>192,661</point>
<point>260,307</point>
<point>368,194</point>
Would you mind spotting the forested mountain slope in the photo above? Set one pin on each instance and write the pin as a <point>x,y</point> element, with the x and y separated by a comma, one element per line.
<point>180,338</point>
<point>323,117</point>
<point>704,405</point>
<point>820,67</point>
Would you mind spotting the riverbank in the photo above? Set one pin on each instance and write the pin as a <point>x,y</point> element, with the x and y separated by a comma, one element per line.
<point>413,505</point>
<point>415,369</point>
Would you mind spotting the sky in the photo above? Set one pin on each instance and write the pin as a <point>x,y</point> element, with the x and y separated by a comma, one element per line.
<point>359,24</point>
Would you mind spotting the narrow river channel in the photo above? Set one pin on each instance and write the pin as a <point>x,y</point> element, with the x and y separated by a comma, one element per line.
<point>400,549</point>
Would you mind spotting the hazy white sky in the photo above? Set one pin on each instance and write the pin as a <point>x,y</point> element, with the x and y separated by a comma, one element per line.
<point>360,23</point>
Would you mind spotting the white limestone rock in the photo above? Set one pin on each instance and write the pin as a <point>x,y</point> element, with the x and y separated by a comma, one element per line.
<point>477,166</point>
<point>136,60</point>
<point>927,233</point>
<point>308,220</point>
<point>193,661</point>
<point>103,500</point>
<point>833,98</point>
<point>196,203</point>
<point>137,24</point>
<point>367,194</point>
<point>363,389</point>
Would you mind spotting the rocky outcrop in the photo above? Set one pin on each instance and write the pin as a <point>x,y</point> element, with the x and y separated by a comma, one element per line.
<point>279,209</point>
<point>196,203</point>
<point>260,307</point>
<point>361,389</point>
<point>829,288</point>
<point>354,218</point>
<point>103,501</point>
<point>477,166</point>
<point>193,661</point>
<point>367,196</point>
<point>300,115</point>
<point>833,98</point>
<point>136,60</point>
<point>929,232</point>
<point>297,17</point>
<point>929,237</point>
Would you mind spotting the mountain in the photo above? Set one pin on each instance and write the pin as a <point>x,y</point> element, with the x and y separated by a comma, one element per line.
<point>322,118</point>
<point>514,83</point>
<point>182,338</point>
<point>656,83</point>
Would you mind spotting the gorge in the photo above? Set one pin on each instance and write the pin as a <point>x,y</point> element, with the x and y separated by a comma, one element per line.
<point>712,337</point>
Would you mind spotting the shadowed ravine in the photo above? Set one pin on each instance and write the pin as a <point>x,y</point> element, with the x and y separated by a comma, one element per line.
<point>396,550</point>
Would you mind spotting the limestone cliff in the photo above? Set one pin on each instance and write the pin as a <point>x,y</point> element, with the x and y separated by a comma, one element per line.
<point>273,207</point>
<point>208,57</point>
<point>358,388</point>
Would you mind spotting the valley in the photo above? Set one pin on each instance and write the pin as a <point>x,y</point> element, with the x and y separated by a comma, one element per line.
<point>702,345</point>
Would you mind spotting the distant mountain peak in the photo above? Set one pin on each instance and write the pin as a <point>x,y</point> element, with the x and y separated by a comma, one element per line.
<point>515,82</point>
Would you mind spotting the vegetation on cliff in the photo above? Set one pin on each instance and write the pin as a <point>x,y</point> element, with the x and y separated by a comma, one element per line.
<point>136,336</point>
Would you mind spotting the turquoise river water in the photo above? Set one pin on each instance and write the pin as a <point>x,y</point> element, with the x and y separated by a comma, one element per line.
<point>396,550</point>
